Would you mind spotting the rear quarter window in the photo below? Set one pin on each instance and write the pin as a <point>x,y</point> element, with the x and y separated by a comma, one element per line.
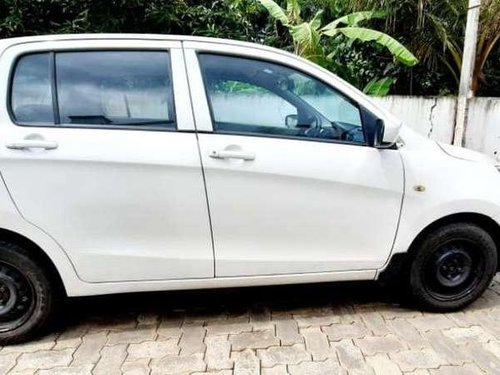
<point>31,93</point>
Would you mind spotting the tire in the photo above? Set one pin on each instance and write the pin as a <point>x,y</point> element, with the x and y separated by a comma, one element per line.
<point>27,295</point>
<point>451,267</point>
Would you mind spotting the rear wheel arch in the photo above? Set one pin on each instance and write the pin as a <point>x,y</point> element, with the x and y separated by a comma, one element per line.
<point>37,254</point>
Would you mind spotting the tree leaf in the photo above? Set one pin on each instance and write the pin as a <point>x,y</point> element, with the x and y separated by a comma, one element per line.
<point>307,40</point>
<point>275,11</point>
<point>293,11</point>
<point>316,21</point>
<point>378,87</point>
<point>353,19</point>
<point>367,35</point>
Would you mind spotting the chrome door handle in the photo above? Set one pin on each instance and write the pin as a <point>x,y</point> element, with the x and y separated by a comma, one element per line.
<point>32,143</point>
<point>232,154</point>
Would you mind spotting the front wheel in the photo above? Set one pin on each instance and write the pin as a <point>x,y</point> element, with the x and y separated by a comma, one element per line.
<point>26,295</point>
<point>452,266</point>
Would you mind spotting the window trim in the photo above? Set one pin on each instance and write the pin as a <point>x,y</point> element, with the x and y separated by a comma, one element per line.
<point>360,108</point>
<point>55,103</point>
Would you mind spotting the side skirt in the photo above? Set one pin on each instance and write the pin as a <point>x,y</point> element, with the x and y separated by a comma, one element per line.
<point>88,289</point>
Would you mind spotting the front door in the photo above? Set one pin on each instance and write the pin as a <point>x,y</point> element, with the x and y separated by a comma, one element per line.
<point>102,163</point>
<point>292,186</point>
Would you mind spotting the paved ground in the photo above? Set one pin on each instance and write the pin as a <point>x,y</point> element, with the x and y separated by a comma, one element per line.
<point>318,329</point>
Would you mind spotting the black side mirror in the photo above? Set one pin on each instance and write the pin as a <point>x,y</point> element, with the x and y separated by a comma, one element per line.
<point>376,138</point>
<point>374,128</point>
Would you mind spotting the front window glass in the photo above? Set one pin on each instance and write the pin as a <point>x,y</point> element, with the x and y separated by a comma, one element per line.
<point>122,88</point>
<point>253,96</point>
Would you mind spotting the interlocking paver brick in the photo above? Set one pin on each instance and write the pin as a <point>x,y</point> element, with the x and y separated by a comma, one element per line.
<point>276,370</point>
<point>246,363</point>
<point>260,319</point>
<point>446,348</point>
<point>88,351</point>
<point>350,356</point>
<point>218,352</point>
<point>132,335</point>
<point>7,362</point>
<point>72,370</point>
<point>153,349</point>
<point>375,323</point>
<point>178,365</point>
<point>45,343</point>
<point>471,334</point>
<point>467,369</point>
<point>330,366</point>
<point>315,317</point>
<point>111,360</point>
<point>288,332</point>
<point>338,332</point>
<point>317,344</point>
<point>381,344</point>
<point>44,359</point>
<point>407,333</point>
<point>279,355</point>
<point>434,321</point>
<point>254,340</point>
<point>191,341</point>
<point>411,360</point>
<point>382,365</point>
<point>223,328</point>
<point>485,359</point>
<point>136,367</point>
<point>170,327</point>
<point>271,338</point>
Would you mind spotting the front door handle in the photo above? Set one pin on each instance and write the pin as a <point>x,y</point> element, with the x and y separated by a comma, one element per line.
<point>32,143</point>
<point>232,154</point>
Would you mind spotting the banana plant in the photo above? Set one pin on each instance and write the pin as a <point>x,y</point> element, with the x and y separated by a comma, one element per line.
<point>306,36</point>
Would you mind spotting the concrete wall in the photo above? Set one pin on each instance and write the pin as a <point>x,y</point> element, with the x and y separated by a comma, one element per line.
<point>435,118</point>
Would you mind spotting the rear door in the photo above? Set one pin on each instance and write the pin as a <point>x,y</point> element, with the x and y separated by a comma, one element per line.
<point>99,151</point>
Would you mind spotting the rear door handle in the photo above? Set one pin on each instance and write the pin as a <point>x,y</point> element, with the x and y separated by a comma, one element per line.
<point>232,154</point>
<point>32,143</point>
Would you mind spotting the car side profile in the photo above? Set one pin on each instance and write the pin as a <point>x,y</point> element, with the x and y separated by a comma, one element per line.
<point>148,162</point>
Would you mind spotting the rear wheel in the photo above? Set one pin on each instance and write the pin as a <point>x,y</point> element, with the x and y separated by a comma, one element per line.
<point>26,295</point>
<point>452,267</point>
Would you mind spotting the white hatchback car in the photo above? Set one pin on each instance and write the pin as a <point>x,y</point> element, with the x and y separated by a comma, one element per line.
<point>147,162</point>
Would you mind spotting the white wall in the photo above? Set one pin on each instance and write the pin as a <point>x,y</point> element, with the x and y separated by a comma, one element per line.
<point>435,118</point>
<point>431,116</point>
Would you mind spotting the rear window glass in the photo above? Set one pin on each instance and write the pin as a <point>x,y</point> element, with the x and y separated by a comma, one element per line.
<point>94,88</point>
<point>115,88</point>
<point>31,99</point>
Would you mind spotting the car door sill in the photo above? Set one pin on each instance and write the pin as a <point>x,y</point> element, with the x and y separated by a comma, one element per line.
<point>85,289</point>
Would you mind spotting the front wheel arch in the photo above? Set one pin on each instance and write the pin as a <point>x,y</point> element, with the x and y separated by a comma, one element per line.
<point>399,262</point>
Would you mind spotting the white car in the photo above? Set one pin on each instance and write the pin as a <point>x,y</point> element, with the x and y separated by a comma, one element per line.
<point>149,162</point>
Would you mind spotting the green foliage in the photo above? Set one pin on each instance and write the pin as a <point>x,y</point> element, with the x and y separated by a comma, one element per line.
<point>307,35</point>
<point>432,30</point>
<point>378,87</point>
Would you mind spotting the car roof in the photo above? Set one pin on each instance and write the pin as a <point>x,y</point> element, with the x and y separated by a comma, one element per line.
<point>4,43</point>
<point>8,42</point>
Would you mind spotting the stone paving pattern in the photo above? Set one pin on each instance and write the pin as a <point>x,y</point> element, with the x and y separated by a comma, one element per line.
<point>297,330</point>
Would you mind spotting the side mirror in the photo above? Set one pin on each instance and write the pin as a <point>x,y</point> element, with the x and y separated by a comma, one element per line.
<point>376,134</point>
<point>291,121</point>
<point>374,129</point>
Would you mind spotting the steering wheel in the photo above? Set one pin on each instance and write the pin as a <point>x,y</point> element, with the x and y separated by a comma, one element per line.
<point>350,135</point>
